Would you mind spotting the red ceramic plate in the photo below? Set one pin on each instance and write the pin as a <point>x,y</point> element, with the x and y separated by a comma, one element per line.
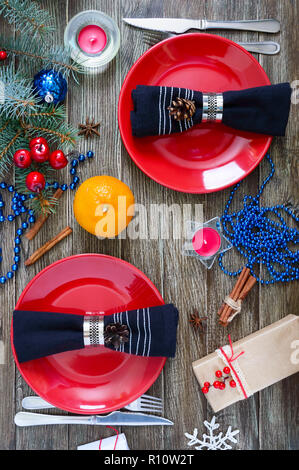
<point>209,157</point>
<point>91,380</point>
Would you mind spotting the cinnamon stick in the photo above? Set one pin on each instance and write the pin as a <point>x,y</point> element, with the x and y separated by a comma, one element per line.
<point>243,294</point>
<point>232,294</point>
<point>48,246</point>
<point>42,219</point>
<point>226,312</point>
<point>247,288</point>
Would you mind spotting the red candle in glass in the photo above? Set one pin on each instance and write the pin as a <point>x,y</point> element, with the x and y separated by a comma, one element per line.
<point>206,242</point>
<point>92,39</point>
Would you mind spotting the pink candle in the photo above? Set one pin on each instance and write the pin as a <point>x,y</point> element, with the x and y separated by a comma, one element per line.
<point>92,39</point>
<point>206,242</point>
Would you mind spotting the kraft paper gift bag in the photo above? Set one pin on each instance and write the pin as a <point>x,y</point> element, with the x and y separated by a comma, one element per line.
<point>256,362</point>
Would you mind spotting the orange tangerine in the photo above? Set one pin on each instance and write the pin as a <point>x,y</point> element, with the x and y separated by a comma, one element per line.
<point>104,206</point>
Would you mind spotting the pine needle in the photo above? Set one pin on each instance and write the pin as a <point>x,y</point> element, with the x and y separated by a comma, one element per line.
<point>27,17</point>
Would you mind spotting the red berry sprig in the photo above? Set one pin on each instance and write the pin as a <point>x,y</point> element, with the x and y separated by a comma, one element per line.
<point>220,384</point>
<point>40,153</point>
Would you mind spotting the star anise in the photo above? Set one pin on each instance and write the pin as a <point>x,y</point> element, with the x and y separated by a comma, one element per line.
<point>197,322</point>
<point>89,128</point>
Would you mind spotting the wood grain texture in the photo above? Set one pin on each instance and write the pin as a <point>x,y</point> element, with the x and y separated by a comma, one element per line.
<point>267,420</point>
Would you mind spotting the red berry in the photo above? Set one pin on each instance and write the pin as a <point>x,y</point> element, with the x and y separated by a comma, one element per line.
<point>216,384</point>
<point>3,55</point>
<point>58,160</point>
<point>222,386</point>
<point>35,181</point>
<point>233,384</point>
<point>40,151</point>
<point>218,373</point>
<point>37,140</point>
<point>226,370</point>
<point>22,158</point>
<point>205,390</point>
<point>207,384</point>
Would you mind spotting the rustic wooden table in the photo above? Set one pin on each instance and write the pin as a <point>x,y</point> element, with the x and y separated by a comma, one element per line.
<point>268,420</point>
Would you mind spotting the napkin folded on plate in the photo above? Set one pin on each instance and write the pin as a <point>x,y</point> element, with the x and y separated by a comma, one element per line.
<point>143,332</point>
<point>262,110</point>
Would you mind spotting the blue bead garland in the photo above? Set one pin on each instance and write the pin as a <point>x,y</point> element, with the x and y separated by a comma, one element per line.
<point>261,239</point>
<point>18,207</point>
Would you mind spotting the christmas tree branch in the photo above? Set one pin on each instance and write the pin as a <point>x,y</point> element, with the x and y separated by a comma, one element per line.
<point>64,138</point>
<point>27,17</point>
<point>17,94</point>
<point>11,143</point>
<point>41,54</point>
<point>71,67</point>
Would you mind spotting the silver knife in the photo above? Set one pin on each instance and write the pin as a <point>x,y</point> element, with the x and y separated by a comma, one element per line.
<point>116,418</point>
<point>178,25</point>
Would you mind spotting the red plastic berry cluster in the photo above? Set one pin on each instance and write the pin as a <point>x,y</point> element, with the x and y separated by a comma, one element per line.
<point>40,153</point>
<point>220,384</point>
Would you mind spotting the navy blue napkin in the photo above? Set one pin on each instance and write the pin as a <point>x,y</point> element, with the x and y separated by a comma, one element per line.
<point>262,110</point>
<point>150,332</point>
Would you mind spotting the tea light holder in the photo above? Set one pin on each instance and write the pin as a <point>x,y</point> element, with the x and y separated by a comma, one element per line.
<point>93,39</point>
<point>205,241</point>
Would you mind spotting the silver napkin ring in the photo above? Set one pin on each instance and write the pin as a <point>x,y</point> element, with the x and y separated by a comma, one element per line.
<point>93,330</point>
<point>212,107</point>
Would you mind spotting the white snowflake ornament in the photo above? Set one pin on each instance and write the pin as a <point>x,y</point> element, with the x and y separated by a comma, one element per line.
<point>211,441</point>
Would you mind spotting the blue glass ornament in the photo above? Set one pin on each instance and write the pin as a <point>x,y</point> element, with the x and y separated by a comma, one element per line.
<point>50,85</point>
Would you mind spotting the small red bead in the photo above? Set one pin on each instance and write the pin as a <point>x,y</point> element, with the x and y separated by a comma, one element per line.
<point>205,390</point>
<point>222,386</point>
<point>216,384</point>
<point>218,373</point>
<point>226,370</point>
<point>233,384</point>
<point>3,55</point>
<point>207,384</point>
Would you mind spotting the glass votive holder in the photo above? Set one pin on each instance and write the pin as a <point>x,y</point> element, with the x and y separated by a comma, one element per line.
<point>93,39</point>
<point>205,241</point>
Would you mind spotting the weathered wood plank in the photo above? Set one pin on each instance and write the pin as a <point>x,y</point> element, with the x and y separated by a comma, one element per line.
<point>279,405</point>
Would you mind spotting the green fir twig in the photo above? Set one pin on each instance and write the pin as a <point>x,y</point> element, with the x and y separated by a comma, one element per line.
<point>27,17</point>
<point>42,55</point>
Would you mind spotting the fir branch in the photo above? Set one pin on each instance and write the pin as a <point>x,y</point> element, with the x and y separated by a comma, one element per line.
<point>38,52</point>
<point>62,133</point>
<point>10,140</point>
<point>27,17</point>
<point>46,115</point>
<point>16,94</point>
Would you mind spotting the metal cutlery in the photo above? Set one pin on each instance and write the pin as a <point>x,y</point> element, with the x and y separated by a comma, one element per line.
<point>116,418</point>
<point>144,403</point>
<point>151,38</point>
<point>181,25</point>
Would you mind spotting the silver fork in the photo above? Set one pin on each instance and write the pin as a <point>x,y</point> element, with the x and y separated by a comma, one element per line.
<point>143,403</point>
<point>150,38</point>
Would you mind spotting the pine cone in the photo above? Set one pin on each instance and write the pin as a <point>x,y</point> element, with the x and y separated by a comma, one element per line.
<point>116,334</point>
<point>182,109</point>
